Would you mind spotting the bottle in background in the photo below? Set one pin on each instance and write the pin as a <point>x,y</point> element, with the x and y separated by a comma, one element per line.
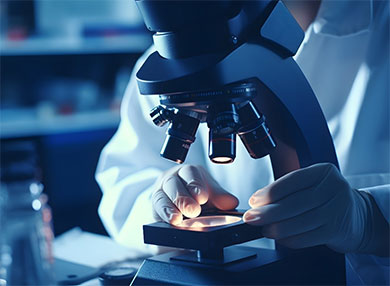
<point>25,220</point>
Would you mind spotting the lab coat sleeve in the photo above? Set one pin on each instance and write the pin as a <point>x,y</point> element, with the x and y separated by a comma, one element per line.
<point>128,166</point>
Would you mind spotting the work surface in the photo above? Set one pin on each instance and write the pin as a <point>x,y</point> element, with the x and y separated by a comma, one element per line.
<point>94,251</point>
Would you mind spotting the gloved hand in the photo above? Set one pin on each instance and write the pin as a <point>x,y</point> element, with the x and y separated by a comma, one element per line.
<point>183,189</point>
<point>316,205</point>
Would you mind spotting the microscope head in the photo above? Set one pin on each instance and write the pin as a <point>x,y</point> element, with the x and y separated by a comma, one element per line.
<point>195,83</point>
<point>188,28</point>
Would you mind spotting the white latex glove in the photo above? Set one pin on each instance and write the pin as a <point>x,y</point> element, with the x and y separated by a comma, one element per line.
<point>183,189</point>
<point>316,205</point>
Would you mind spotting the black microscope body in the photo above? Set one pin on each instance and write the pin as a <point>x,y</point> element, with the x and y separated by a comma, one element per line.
<point>230,64</point>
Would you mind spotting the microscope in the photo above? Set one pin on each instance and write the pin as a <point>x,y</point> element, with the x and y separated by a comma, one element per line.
<point>230,64</point>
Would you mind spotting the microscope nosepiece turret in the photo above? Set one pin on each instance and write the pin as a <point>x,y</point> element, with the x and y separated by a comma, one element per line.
<point>227,111</point>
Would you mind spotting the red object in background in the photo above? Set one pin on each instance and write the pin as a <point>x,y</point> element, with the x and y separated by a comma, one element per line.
<point>111,33</point>
<point>17,34</point>
<point>115,105</point>
<point>66,109</point>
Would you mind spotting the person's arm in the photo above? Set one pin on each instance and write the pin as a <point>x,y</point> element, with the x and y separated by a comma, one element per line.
<point>128,167</point>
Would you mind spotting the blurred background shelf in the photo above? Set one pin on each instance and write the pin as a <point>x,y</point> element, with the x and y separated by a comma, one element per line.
<point>64,67</point>
<point>25,123</point>
<point>37,46</point>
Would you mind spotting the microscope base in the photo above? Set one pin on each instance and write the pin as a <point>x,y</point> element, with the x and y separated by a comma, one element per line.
<point>316,265</point>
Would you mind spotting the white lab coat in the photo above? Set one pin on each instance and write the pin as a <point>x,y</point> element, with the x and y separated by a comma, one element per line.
<point>345,57</point>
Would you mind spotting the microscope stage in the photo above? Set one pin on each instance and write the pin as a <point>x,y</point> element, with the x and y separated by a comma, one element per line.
<point>208,233</point>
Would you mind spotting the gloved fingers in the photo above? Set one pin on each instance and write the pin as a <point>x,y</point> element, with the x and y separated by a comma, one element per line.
<point>310,238</point>
<point>164,209</point>
<point>291,206</point>
<point>290,183</point>
<point>224,201</point>
<point>195,183</point>
<point>297,225</point>
<point>218,197</point>
<point>181,198</point>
